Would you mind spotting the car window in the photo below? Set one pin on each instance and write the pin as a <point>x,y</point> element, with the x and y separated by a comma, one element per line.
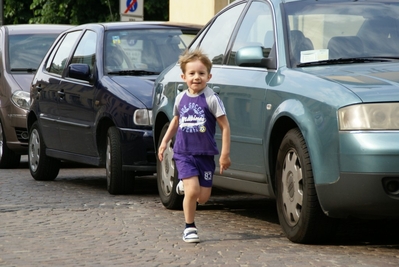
<point>329,31</point>
<point>50,58</point>
<point>216,39</point>
<point>255,30</point>
<point>149,49</point>
<point>187,37</point>
<point>86,50</point>
<point>36,44</point>
<point>199,37</point>
<point>58,63</point>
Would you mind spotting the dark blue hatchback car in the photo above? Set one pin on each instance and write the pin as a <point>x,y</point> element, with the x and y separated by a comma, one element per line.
<point>91,98</point>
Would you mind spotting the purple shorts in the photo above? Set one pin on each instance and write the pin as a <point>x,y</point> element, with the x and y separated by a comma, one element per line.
<point>202,166</point>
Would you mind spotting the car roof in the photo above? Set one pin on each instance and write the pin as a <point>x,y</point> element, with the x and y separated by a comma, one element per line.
<point>142,25</point>
<point>36,28</point>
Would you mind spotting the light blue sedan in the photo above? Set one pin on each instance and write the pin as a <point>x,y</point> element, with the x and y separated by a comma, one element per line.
<point>311,90</point>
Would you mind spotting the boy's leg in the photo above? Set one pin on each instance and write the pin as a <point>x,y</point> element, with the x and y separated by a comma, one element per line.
<point>206,167</point>
<point>205,194</point>
<point>191,194</point>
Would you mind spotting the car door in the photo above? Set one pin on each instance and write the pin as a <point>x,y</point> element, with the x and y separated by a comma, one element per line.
<point>76,102</point>
<point>47,83</point>
<point>243,92</point>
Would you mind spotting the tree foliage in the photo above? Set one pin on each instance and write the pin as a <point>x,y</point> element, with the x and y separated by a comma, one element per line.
<point>75,12</point>
<point>156,10</point>
<point>16,12</point>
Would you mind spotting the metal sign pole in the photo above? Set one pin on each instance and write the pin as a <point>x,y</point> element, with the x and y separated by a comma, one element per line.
<point>1,12</point>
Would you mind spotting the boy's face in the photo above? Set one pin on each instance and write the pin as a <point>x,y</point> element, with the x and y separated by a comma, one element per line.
<point>196,76</point>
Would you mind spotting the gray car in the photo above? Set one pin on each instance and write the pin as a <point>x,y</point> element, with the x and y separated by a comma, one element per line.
<point>22,48</point>
<point>311,91</point>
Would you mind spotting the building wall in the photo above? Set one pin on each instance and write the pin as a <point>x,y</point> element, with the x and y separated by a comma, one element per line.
<point>195,11</point>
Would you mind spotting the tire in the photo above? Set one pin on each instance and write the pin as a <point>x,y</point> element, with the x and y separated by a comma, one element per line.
<point>118,181</point>
<point>167,176</point>
<point>42,167</point>
<point>8,159</point>
<point>299,211</point>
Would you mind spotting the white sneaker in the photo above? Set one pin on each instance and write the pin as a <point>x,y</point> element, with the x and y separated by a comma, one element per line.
<point>180,188</point>
<point>190,235</point>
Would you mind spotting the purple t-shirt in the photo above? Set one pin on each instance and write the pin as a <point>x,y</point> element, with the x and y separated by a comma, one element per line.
<point>197,122</point>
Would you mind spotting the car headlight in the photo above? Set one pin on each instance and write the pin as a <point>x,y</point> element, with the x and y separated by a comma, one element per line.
<point>143,117</point>
<point>21,99</point>
<point>369,117</point>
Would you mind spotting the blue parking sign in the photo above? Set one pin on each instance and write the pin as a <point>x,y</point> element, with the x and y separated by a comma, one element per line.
<point>131,5</point>
<point>131,10</point>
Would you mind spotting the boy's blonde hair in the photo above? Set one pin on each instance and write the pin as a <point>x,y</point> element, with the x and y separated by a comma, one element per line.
<point>192,55</point>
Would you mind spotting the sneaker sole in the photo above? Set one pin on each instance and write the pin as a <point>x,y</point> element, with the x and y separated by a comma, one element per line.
<point>191,240</point>
<point>180,192</point>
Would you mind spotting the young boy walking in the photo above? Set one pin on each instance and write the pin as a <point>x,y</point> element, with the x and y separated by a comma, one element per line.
<point>196,112</point>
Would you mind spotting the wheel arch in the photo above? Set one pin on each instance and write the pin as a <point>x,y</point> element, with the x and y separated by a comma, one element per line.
<point>316,126</point>
<point>281,126</point>
<point>159,122</point>
<point>31,118</point>
<point>101,137</point>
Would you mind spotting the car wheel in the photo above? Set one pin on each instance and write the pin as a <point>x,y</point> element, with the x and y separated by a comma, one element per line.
<point>167,176</point>
<point>299,211</point>
<point>118,181</point>
<point>8,159</point>
<point>42,167</point>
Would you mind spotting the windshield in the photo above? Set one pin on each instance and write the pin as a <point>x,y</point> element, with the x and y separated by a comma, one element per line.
<point>144,50</point>
<point>26,51</point>
<point>320,31</point>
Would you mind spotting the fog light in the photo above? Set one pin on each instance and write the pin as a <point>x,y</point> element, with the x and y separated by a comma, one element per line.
<point>24,135</point>
<point>392,186</point>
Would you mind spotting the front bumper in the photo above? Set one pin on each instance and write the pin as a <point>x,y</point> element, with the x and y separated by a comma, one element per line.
<point>138,151</point>
<point>368,185</point>
<point>14,127</point>
<point>360,195</point>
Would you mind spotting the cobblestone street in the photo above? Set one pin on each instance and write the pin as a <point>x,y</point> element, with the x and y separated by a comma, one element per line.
<point>74,221</point>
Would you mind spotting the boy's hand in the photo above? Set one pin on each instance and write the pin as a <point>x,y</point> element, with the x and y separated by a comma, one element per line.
<point>224,163</point>
<point>161,149</point>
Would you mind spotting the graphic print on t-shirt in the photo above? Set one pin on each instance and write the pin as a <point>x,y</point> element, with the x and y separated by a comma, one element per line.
<point>192,118</point>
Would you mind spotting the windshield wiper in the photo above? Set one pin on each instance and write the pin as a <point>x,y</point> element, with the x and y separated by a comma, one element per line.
<point>343,61</point>
<point>24,69</point>
<point>134,72</point>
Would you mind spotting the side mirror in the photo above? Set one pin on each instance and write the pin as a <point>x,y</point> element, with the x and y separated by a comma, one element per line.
<point>253,56</point>
<point>79,71</point>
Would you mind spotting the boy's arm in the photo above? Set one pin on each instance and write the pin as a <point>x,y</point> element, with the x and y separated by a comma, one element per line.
<point>224,160</point>
<point>172,129</point>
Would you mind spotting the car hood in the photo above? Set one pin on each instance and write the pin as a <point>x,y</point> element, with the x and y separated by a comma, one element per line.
<point>23,80</point>
<point>371,82</point>
<point>140,87</point>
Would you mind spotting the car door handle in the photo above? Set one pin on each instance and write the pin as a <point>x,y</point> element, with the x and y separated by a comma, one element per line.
<point>180,87</point>
<point>61,93</point>
<point>216,89</point>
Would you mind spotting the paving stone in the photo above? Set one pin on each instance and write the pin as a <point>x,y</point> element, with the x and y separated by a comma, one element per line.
<point>73,221</point>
